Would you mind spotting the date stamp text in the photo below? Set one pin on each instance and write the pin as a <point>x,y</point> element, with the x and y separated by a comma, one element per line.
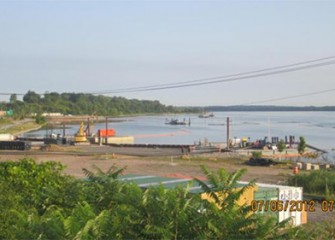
<point>292,205</point>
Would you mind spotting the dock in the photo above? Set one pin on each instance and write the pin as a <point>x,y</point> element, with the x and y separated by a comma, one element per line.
<point>316,149</point>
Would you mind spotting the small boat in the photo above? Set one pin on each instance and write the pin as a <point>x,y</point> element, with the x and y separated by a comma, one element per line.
<point>175,122</point>
<point>206,115</point>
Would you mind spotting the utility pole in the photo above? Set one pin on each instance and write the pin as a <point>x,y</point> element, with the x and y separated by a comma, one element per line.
<point>227,133</point>
<point>88,132</point>
<point>63,130</point>
<point>106,139</point>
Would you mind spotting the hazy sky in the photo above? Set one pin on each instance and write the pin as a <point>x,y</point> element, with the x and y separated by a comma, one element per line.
<point>89,46</point>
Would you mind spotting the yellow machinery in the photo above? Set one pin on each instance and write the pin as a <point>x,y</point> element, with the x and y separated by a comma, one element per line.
<point>80,137</point>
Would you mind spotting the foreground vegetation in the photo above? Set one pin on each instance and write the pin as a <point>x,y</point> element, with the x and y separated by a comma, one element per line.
<point>40,202</point>
<point>321,182</point>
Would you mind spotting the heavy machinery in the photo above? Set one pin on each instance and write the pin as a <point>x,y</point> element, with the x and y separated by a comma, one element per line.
<point>80,136</point>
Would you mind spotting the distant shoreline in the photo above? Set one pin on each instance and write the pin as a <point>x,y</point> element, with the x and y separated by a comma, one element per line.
<point>265,108</point>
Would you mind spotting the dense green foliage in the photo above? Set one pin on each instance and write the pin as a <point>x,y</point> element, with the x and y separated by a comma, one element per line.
<point>316,182</point>
<point>39,202</point>
<point>229,220</point>
<point>281,145</point>
<point>302,145</point>
<point>320,230</point>
<point>81,103</point>
<point>39,119</point>
<point>257,154</point>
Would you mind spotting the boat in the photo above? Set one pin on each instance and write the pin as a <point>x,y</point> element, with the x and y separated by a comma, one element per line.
<point>175,122</point>
<point>206,115</point>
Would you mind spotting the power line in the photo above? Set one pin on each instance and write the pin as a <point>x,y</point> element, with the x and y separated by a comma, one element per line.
<point>229,78</point>
<point>8,94</point>
<point>289,97</point>
<point>315,63</point>
<point>240,78</point>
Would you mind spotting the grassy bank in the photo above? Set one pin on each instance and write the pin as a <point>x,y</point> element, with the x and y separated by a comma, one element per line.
<point>320,183</point>
<point>16,128</point>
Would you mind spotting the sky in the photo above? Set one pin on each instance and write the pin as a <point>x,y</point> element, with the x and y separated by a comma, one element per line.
<point>95,46</point>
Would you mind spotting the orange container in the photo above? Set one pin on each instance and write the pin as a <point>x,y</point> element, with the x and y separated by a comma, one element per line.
<point>106,132</point>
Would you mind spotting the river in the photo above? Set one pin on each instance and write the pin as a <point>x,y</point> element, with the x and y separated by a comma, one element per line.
<point>318,128</point>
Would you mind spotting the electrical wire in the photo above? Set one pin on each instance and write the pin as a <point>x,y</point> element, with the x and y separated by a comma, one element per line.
<point>227,78</point>
<point>289,97</point>
<point>315,63</point>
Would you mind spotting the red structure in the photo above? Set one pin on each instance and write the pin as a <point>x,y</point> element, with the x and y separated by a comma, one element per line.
<point>295,170</point>
<point>106,132</point>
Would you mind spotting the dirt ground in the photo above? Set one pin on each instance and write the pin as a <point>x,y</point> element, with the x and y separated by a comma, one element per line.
<point>157,165</point>
<point>165,166</point>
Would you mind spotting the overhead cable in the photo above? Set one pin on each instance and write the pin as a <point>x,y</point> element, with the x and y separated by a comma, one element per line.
<point>289,97</point>
<point>229,78</point>
<point>310,64</point>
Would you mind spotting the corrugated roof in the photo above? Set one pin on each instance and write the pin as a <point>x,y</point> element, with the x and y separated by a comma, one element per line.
<point>169,183</point>
<point>145,181</point>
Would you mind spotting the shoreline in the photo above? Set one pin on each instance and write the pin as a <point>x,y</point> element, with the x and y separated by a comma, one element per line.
<point>18,127</point>
<point>27,130</point>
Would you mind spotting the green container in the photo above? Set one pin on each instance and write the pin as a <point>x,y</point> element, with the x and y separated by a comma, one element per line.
<point>266,195</point>
<point>9,112</point>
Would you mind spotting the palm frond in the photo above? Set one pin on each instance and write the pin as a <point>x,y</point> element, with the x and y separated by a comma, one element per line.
<point>91,175</point>
<point>98,171</point>
<point>113,173</point>
<point>235,176</point>
<point>82,213</point>
<point>209,189</point>
<point>212,178</point>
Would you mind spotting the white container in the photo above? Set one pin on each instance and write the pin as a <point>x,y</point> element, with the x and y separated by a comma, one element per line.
<point>288,193</point>
<point>294,196</point>
<point>6,137</point>
<point>315,167</point>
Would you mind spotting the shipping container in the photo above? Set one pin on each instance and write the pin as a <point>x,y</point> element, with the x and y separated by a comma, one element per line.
<point>6,137</point>
<point>15,145</point>
<point>266,195</point>
<point>292,196</point>
<point>116,140</point>
<point>106,132</point>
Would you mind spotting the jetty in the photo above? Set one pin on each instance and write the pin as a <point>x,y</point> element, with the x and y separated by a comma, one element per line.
<point>316,149</point>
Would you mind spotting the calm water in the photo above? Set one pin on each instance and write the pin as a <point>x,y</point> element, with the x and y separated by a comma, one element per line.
<point>318,128</point>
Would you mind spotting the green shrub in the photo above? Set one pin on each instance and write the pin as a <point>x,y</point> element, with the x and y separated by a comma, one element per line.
<point>320,182</point>
<point>39,202</point>
<point>257,154</point>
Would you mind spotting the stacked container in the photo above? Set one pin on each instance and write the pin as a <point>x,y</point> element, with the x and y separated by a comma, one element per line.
<point>284,193</point>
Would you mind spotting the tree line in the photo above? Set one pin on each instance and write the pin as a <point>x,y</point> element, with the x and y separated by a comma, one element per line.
<point>82,103</point>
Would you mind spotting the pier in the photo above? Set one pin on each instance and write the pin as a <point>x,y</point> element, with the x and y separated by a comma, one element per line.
<point>316,149</point>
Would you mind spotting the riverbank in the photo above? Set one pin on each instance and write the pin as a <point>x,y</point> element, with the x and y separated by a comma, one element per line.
<point>20,126</point>
<point>75,119</point>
